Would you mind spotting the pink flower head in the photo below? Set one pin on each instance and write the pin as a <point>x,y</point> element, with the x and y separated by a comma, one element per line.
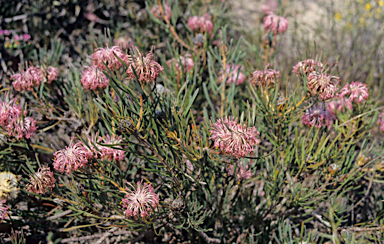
<point>322,84</point>
<point>6,32</point>
<point>29,79</point>
<point>3,209</point>
<point>111,153</point>
<point>276,24</point>
<point>340,105</point>
<point>186,62</point>
<point>1,32</point>
<point>8,110</point>
<point>201,24</point>
<point>356,91</point>
<point>26,37</point>
<point>155,11</point>
<point>20,127</point>
<point>51,73</point>
<point>242,173</point>
<point>269,7</point>
<point>318,116</point>
<point>266,77</point>
<point>307,66</point>
<point>141,201</point>
<point>232,74</point>
<point>145,67</point>
<point>106,56</point>
<point>93,78</point>
<point>233,138</point>
<point>123,42</point>
<point>72,158</point>
<point>381,121</point>
<point>41,180</point>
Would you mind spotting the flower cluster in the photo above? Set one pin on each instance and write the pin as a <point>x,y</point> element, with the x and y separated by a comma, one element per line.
<point>72,158</point>
<point>76,155</point>
<point>103,57</point>
<point>8,186</point>
<point>322,84</point>
<point>340,105</point>
<point>356,92</point>
<point>232,74</point>
<point>266,77</point>
<point>93,78</point>
<point>242,172</point>
<point>51,73</point>
<point>318,116</point>
<point>275,24</point>
<point>41,180</point>
<point>106,152</point>
<point>141,201</point>
<point>155,11</point>
<point>3,209</point>
<point>145,67</point>
<point>185,61</point>
<point>306,67</point>
<point>28,79</point>
<point>233,138</point>
<point>12,120</point>
<point>201,23</point>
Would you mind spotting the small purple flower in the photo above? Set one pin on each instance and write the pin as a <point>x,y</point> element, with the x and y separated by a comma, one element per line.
<point>201,24</point>
<point>26,37</point>
<point>233,74</point>
<point>266,77</point>
<point>93,78</point>
<point>6,32</point>
<point>107,56</point>
<point>276,24</point>
<point>3,209</point>
<point>20,127</point>
<point>28,79</point>
<point>307,66</point>
<point>356,91</point>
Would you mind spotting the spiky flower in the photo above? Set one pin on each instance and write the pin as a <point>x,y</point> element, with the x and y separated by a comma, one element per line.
<point>307,66</point>
<point>8,109</point>
<point>356,91</point>
<point>340,105</point>
<point>318,116</point>
<point>51,73</point>
<point>242,172</point>
<point>185,61</point>
<point>266,77</point>
<point>201,24</point>
<point>72,158</point>
<point>232,74</point>
<point>107,56</point>
<point>3,209</point>
<point>93,78</point>
<point>141,201</point>
<point>155,11</point>
<point>41,180</point>
<point>20,127</point>
<point>27,80</point>
<point>233,138</point>
<point>276,24</point>
<point>111,152</point>
<point>145,67</point>
<point>322,84</point>
<point>8,186</point>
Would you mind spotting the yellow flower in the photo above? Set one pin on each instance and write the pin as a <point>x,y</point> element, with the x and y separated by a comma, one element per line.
<point>368,6</point>
<point>8,186</point>
<point>361,20</point>
<point>378,10</point>
<point>338,16</point>
<point>381,3</point>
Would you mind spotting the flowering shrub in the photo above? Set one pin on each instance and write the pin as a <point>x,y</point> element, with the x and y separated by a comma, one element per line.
<point>166,128</point>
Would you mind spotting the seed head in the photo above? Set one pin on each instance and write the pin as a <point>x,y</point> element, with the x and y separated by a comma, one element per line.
<point>307,66</point>
<point>8,186</point>
<point>266,77</point>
